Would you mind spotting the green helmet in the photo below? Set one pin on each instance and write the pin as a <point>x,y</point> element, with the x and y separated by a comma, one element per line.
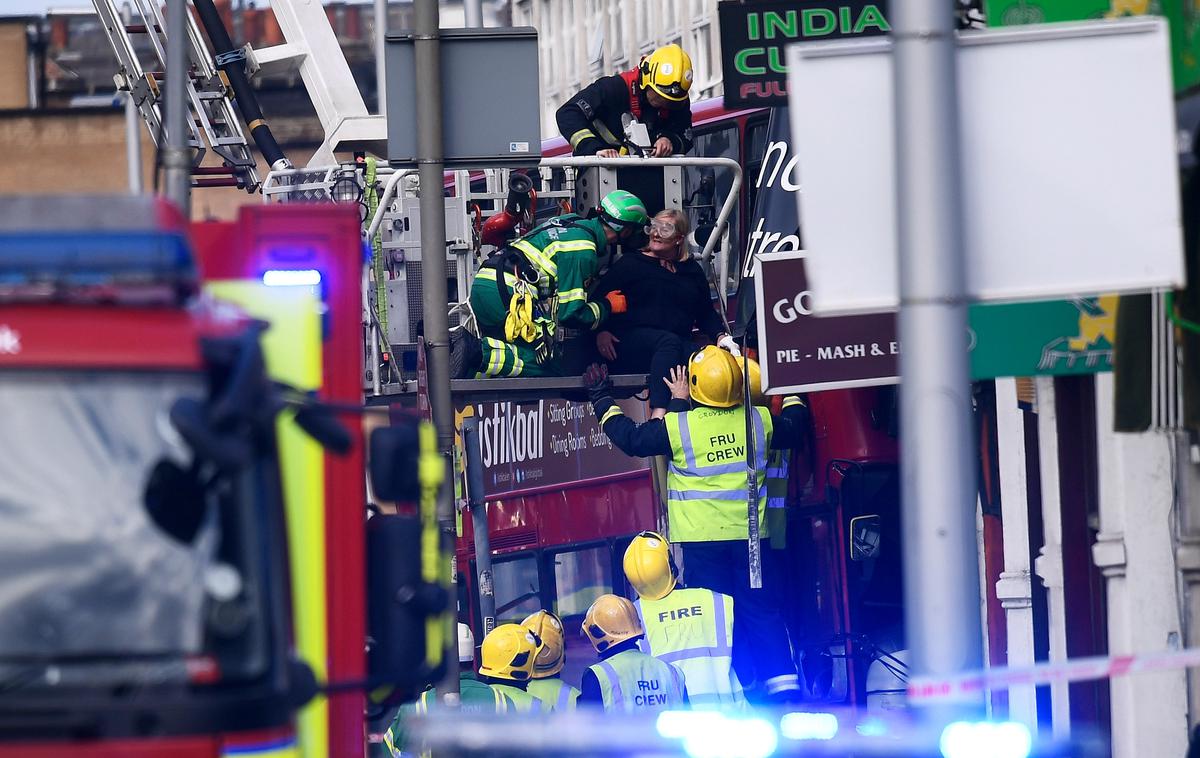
<point>622,209</point>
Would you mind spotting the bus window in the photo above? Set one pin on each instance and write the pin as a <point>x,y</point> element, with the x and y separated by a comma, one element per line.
<point>756,145</point>
<point>518,589</point>
<point>581,576</point>
<point>702,203</point>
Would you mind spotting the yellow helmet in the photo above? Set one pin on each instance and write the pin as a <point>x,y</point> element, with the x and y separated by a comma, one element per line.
<point>667,71</point>
<point>756,393</point>
<point>611,620</point>
<point>715,378</point>
<point>648,566</point>
<point>551,655</point>
<point>508,652</point>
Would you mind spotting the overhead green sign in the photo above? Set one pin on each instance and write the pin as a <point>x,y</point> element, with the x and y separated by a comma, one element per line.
<point>1053,337</point>
<point>1182,15</point>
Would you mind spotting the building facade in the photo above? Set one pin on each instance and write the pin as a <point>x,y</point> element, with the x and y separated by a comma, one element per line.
<point>582,40</point>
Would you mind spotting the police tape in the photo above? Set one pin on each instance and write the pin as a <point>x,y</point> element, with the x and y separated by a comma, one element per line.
<point>972,684</point>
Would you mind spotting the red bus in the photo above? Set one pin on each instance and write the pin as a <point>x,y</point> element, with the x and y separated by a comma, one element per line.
<point>557,541</point>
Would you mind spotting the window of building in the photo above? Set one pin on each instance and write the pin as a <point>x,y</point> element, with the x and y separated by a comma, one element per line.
<point>596,33</point>
<point>671,13</point>
<point>517,587</point>
<point>616,31</point>
<point>643,31</point>
<point>701,70</point>
<point>756,145</point>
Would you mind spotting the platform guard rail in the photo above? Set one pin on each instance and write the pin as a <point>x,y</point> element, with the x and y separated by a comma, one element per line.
<point>343,182</point>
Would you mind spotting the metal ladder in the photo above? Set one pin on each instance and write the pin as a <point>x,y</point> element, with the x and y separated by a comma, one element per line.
<point>213,122</point>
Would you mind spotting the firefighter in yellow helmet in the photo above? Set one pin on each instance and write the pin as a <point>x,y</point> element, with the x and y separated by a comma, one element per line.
<point>655,94</point>
<point>626,679</point>
<point>692,629</point>
<point>474,696</point>
<point>506,663</point>
<point>707,497</point>
<point>547,685</point>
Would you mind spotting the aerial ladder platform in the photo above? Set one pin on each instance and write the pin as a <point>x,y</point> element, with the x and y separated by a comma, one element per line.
<point>387,196</point>
<point>213,123</point>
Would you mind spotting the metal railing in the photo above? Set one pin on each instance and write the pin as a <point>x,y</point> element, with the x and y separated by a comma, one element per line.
<point>722,221</point>
<point>318,183</point>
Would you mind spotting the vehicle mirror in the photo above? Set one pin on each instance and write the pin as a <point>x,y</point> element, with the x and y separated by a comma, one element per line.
<point>320,424</point>
<point>191,419</point>
<point>394,454</point>
<point>174,501</point>
<point>239,370</point>
<point>402,609</point>
<point>302,684</point>
<point>865,536</point>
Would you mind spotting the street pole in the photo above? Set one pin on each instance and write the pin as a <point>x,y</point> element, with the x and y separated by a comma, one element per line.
<point>937,451</point>
<point>177,156</point>
<point>472,13</point>
<point>428,71</point>
<point>479,523</point>
<point>133,130</point>
<point>381,22</point>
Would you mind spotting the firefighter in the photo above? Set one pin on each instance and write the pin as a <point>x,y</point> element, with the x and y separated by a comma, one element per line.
<point>508,655</point>
<point>692,629</point>
<point>706,497</point>
<point>626,679</point>
<point>543,288</point>
<point>546,685</point>
<point>655,94</point>
<point>475,695</point>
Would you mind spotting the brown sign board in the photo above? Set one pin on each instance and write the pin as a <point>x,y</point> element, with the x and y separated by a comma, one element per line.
<point>537,445</point>
<point>799,352</point>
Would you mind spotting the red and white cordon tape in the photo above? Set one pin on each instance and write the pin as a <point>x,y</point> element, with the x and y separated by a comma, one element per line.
<point>971,684</point>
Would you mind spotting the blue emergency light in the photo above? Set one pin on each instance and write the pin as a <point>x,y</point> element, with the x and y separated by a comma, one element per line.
<point>95,265</point>
<point>986,739</point>
<point>283,277</point>
<point>122,248</point>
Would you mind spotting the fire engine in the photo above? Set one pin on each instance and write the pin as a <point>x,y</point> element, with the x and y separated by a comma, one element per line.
<point>189,565</point>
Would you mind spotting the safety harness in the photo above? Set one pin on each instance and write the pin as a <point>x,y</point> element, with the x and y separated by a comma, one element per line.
<point>526,321</point>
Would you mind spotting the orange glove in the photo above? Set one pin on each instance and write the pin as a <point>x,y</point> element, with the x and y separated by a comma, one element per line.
<point>616,301</point>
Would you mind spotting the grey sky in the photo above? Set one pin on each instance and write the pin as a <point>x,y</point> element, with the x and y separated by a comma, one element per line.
<point>33,7</point>
<point>27,7</point>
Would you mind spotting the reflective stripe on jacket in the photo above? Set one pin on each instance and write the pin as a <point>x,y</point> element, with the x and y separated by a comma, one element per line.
<point>692,629</point>
<point>474,696</point>
<point>566,257</point>
<point>777,491</point>
<point>555,694</point>
<point>523,700</point>
<point>706,479</point>
<point>635,682</point>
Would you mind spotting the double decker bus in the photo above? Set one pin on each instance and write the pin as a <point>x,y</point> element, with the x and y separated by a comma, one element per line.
<point>561,510</point>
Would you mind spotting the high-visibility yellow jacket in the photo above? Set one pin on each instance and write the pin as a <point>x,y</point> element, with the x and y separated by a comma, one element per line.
<point>692,629</point>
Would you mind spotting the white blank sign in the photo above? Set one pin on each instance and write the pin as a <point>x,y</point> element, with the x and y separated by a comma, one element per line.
<point>1070,181</point>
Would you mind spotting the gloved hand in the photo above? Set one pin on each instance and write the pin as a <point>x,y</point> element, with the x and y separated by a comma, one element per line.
<point>727,342</point>
<point>596,381</point>
<point>616,301</point>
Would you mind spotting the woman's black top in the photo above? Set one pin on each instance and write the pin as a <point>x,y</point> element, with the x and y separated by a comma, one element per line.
<point>660,299</point>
